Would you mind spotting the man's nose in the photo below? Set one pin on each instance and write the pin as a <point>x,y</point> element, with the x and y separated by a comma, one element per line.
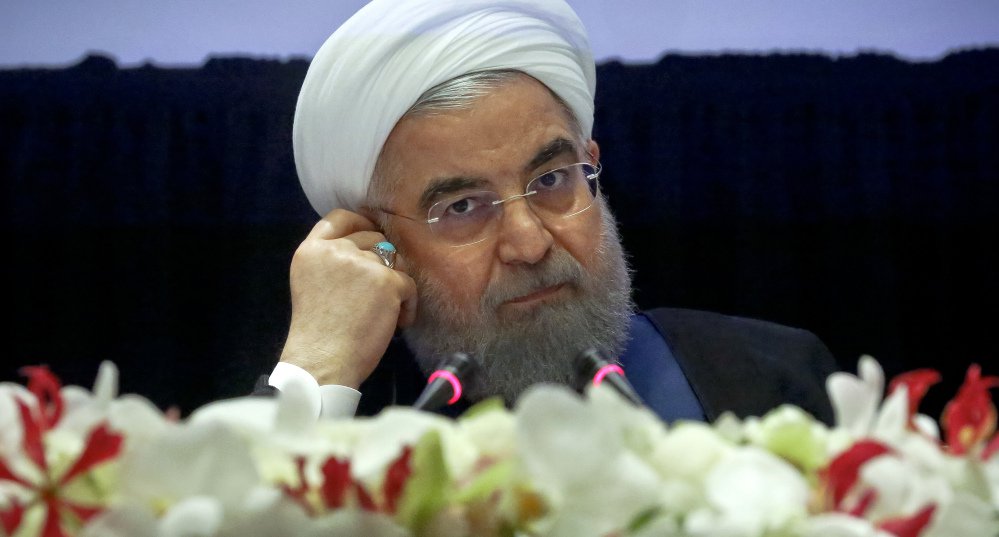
<point>523,237</point>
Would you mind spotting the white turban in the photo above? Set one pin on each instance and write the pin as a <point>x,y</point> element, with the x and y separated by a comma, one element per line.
<point>375,67</point>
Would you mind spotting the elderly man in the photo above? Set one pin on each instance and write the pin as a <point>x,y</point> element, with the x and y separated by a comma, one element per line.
<point>448,145</point>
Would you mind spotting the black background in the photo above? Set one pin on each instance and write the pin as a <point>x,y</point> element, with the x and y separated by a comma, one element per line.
<point>150,214</point>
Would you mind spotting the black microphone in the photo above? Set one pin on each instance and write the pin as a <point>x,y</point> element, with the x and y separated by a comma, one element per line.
<point>594,367</point>
<point>444,386</point>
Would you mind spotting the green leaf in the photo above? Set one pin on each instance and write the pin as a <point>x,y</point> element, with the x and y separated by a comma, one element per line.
<point>643,519</point>
<point>492,404</point>
<point>429,487</point>
<point>795,440</point>
<point>496,477</point>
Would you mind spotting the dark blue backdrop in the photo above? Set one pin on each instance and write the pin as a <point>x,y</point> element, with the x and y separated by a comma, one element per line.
<point>150,214</point>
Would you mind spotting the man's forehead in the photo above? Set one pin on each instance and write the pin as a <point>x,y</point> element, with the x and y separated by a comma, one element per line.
<point>516,127</point>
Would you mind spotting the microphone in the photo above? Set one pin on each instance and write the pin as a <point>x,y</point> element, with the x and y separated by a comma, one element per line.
<point>593,366</point>
<point>444,386</point>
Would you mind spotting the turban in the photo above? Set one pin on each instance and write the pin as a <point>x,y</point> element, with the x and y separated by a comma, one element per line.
<point>375,67</point>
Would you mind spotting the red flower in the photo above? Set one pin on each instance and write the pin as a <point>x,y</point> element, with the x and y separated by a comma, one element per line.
<point>917,383</point>
<point>100,446</point>
<point>338,488</point>
<point>842,475</point>
<point>910,526</point>
<point>970,417</point>
<point>844,471</point>
<point>10,519</point>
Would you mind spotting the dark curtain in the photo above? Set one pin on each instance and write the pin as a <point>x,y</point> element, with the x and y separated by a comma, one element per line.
<point>150,214</point>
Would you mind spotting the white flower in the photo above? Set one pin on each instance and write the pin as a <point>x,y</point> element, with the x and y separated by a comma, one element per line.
<point>683,458</point>
<point>861,412</point>
<point>964,515</point>
<point>492,431</point>
<point>593,484</point>
<point>991,474</point>
<point>791,433</point>
<point>905,484</point>
<point>559,465</point>
<point>266,516</point>
<point>397,427</point>
<point>188,461</point>
<point>11,432</point>
<point>855,400</point>
<point>689,451</point>
<point>750,492</point>
<point>840,525</point>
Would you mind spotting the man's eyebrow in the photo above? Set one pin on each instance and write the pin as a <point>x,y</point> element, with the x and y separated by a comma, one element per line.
<point>554,148</point>
<point>447,185</point>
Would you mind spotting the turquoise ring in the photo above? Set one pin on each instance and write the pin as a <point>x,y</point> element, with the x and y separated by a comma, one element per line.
<point>386,251</point>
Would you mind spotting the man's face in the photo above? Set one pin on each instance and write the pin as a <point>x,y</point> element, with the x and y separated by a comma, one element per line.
<point>529,288</point>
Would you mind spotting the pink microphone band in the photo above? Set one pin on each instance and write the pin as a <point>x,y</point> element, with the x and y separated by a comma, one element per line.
<point>455,383</point>
<point>606,370</point>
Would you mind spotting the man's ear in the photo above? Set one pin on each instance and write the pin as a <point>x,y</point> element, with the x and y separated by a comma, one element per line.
<point>593,149</point>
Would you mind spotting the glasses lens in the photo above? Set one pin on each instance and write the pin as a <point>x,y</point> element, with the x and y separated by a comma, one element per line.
<point>564,191</point>
<point>464,219</point>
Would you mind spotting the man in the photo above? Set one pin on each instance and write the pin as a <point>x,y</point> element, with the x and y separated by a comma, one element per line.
<point>448,145</point>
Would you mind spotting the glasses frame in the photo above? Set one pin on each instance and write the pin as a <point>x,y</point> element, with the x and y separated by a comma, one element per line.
<point>592,178</point>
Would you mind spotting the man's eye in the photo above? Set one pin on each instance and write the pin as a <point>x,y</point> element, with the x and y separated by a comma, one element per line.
<point>551,179</point>
<point>463,206</point>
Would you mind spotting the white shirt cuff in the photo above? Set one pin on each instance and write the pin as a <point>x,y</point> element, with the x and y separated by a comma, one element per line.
<point>330,401</point>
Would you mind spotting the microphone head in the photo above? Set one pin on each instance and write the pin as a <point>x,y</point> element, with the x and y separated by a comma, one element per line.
<point>444,387</point>
<point>593,367</point>
<point>589,362</point>
<point>460,364</point>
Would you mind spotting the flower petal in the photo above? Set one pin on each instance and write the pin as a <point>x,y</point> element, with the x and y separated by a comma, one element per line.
<point>733,487</point>
<point>844,470</point>
<point>8,475</point>
<point>32,441</point>
<point>101,445</point>
<point>10,518</point>
<point>840,525</point>
<point>917,383</point>
<point>199,516</point>
<point>892,421</point>
<point>45,386</point>
<point>910,526</point>
<point>970,417</point>
<point>348,522</point>
<point>855,400</point>
<point>965,514</point>
<point>52,526</point>
<point>106,385</point>
<point>336,482</point>
<point>205,459</point>
<point>558,438</point>
<point>396,478</point>
<point>125,521</point>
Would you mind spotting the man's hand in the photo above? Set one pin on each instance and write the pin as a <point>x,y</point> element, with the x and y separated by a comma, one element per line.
<point>346,304</point>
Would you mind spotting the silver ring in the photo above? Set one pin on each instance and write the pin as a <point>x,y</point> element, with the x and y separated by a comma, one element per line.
<point>386,251</point>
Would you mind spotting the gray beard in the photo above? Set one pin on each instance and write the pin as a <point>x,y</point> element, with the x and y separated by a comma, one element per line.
<point>517,349</point>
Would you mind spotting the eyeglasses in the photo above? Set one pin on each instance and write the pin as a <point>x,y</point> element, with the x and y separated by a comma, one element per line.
<point>473,216</point>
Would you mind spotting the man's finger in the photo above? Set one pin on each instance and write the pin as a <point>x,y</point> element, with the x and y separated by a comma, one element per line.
<point>407,312</point>
<point>340,223</point>
<point>365,240</point>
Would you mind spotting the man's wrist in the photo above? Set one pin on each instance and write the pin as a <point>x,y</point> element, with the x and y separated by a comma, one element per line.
<point>326,371</point>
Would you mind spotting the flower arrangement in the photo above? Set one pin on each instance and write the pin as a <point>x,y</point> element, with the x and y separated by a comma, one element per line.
<point>76,462</point>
